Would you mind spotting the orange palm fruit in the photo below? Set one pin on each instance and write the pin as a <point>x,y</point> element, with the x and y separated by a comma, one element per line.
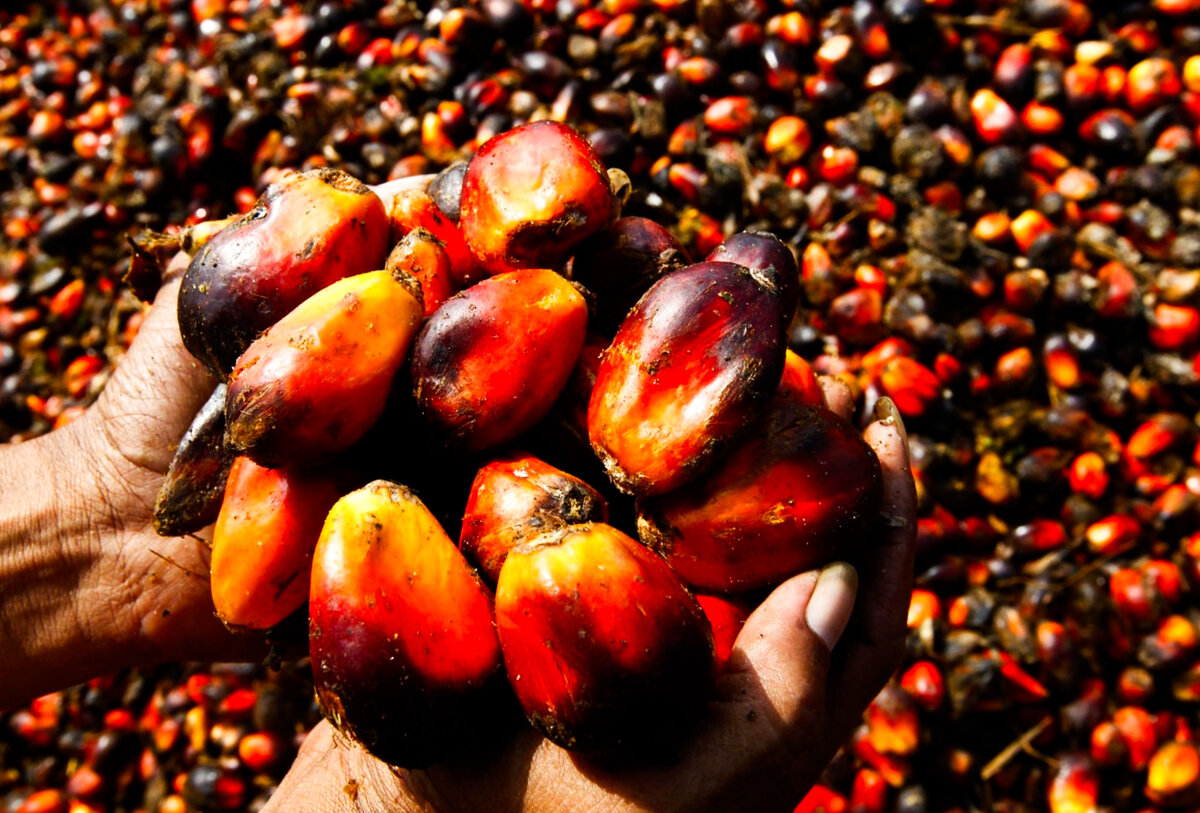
<point>690,369</point>
<point>404,648</point>
<point>424,257</point>
<point>531,194</point>
<point>414,209</point>
<point>316,381</point>
<point>191,493</point>
<point>305,232</point>
<point>802,489</point>
<point>603,644</point>
<point>726,615</point>
<point>800,381</point>
<point>516,498</point>
<point>263,541</point>
<point>491,361</point>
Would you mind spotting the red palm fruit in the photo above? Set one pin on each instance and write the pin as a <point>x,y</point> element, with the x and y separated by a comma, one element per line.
<point>1074,785</point>
<point>802,489</point>
<point>726,615</point>
<point>517,498</point>
<point>190,496</point>
<point>619,264</point>
<point>317,380</point>
<point>1173,778</point>
<point>799,381</point>
<point>423,256</point>
<point>415,209</point>
<point>603,644</point>
<point>263,541</point>
<point>769,259</point>
<point>689,370</point>
<point>491,361</point>
<point>403,643</point>
<point>531,194</point>
<point>305,232</point>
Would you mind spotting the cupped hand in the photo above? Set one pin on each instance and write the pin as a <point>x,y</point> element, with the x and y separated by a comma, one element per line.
<point>86,584</point>
<point>806,664</point>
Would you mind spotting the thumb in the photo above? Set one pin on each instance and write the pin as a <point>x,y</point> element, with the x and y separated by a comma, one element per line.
<point>786,642</point>
<point>157,386</point>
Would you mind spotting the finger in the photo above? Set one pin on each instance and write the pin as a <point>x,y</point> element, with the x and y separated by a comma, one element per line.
<point>156,388</point>
<point>838,397</point>
<point>874,641</point>
<point>786,642</point>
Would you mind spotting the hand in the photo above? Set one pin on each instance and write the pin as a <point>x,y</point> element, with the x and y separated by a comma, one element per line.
<point>804,667</point>
<point>86,585</point>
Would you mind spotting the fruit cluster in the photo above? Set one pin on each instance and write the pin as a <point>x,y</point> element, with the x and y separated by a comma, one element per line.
<point>339,317</point>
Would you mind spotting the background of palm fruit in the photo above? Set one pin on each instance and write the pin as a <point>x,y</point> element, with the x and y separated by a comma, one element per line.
<point>996,208</point>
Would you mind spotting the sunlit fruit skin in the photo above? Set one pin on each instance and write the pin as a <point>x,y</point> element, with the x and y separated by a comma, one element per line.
<point>620,264</point>
<point>423,257</point>
<point>263,541</point>
<point>530,195</point>
<point>768,258</point>
<point>802,489</point>
<point>490,362</point>
<point>315,382</point>
<point>306,231</point>
<point>800,382</point>
<point>404,649</point>
<point>689,370</point>
<point>414,209</point>
<point>726,615</point>
<point>517,498</point>
<point>603,645</point>
<point>191,493</point>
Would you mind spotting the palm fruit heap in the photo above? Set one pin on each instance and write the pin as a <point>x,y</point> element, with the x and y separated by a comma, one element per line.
<point>395,372</point>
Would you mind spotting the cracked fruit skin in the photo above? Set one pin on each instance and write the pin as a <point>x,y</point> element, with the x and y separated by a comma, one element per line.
<point>305,232</point>
<point>691,367</point>
<point>517,498</point>
<point>492,360</point>
<point>318,379</point>
<point>531,194</point>
<point>263,541</point>
<point>404,649</point>
<point>801,490</point>
<point>604,646</point>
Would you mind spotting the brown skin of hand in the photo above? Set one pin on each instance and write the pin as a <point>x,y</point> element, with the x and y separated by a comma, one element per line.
<point>89,588</point>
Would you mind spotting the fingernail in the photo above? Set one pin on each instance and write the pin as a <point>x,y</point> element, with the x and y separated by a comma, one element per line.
<point>886,413</point>
<point>831,602</point>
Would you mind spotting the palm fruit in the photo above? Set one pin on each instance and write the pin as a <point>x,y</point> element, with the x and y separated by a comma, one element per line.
<point>620,264</point>
<point>802,489</point>
<point>491,361</point>
<point>263,541</point>
<point>530,195</point>
<point>191,493</point>
<point>800,381</point>
<point>305,232</point>
<point>404,648</point>
<point>726,615</point>
<point>516,498</point>
<point>691,367</point>
<point>604,646</point>
<point>423,257</point>
<point>769,259</point>
<point>315,382</point>
<point>414,209</point>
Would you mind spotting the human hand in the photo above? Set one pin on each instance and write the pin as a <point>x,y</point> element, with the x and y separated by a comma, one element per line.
<point>86,585</point>
<point>803,669</point>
